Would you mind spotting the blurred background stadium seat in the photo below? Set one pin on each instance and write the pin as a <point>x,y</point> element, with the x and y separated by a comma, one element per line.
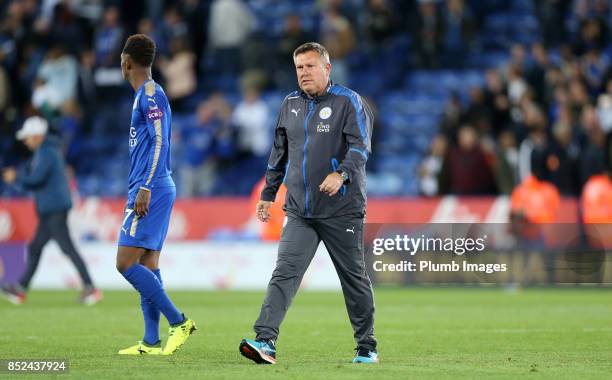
<point>423,65</point>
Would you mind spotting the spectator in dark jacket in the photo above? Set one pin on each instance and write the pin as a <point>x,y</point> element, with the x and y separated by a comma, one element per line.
<point>46,177</point>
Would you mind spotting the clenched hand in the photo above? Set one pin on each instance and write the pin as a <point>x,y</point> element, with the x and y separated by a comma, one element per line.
<point>263,210</point>
<point>9,175</point>
<point>141,206</point>
<point>332,183</point>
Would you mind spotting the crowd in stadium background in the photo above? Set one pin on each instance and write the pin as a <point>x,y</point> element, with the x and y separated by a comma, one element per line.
<point>464,90</point>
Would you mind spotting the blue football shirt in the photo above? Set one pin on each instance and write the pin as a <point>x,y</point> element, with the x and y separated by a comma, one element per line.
<point>149,140</point>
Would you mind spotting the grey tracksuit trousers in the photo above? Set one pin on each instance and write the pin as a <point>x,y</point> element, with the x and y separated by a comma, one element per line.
<point>343,238</point>
<point>53,226</point>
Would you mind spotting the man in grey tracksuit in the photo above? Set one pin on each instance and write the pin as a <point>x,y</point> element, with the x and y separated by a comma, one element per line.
<point>46,177</point>
<point>321,145</point>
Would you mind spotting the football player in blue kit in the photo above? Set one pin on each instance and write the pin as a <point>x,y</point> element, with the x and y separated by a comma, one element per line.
<point>151,194</point>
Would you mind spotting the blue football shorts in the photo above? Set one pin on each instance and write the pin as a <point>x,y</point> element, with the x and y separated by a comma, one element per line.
<point>150,231</point>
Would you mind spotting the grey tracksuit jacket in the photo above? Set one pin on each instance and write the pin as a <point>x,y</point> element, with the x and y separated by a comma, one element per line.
<point>46,177</point>
<point>313,138</point>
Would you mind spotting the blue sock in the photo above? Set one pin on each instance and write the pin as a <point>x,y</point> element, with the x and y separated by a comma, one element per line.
<point>151,316</point>
<point>149,287</point>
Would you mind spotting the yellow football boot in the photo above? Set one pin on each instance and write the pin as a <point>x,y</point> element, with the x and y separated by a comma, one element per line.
<point>177,336</point>
<point>142,349</point>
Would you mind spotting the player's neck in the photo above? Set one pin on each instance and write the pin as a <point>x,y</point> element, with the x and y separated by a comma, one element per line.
<point>139,78</point>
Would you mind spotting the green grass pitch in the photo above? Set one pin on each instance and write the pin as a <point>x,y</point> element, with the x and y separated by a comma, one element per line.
<point>437,333</point>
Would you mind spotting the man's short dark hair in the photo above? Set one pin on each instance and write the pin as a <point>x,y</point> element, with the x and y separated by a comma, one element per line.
<point>312,46</point>
<point>141,48</point>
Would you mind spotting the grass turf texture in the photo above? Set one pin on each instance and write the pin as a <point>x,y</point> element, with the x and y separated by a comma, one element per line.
<point>423,333</point>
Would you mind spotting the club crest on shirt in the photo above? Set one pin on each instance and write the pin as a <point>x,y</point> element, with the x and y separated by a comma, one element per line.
<point>325,113</point>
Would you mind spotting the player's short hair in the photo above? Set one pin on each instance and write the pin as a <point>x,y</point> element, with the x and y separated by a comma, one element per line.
<point>141,48</point>
<point>312,46</point>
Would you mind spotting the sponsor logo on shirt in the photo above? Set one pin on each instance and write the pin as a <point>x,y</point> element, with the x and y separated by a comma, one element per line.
<point>133,139</point>
<point>322,127</point>
<point>155,114</point>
